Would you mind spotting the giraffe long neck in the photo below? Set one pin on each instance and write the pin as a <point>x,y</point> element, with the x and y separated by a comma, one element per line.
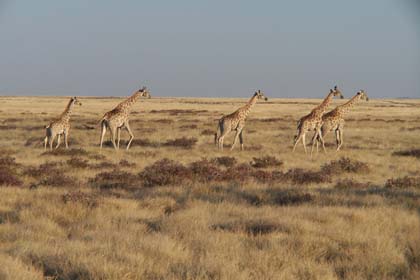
<point>349,104</point>
<point>324,105</point>
<point>65,116</point>
<point>126,104</point>
<point>247,108</point>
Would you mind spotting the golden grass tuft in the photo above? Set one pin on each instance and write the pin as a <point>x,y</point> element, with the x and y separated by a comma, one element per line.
<point>174,207</point>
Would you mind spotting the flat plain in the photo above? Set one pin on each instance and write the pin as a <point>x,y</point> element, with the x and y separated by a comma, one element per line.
<point>174,207</point>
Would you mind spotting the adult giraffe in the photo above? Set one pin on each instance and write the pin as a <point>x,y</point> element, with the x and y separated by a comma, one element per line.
<point>313,121</point>
<point>118,118</point>
<point>236,121</point>
<point>334,120</point>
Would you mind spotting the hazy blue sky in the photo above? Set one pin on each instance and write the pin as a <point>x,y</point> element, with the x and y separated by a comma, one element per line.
<point>210,48</point>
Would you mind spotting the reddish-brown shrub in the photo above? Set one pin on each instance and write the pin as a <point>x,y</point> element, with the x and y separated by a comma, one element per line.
<point>126,163</point>
<point>188,126</point>
<point>9,171</point>
<point>67,152</point>
<point>408,153</point>
<point>115,179</point>
<point>225,161</point>
<point>239,173</point>
<point>350,184</point>
<point>77,162</point>
<point>50,174</point>
<point>164,172</point>
<point>266,161</point>
<point>301,176</point>
<point>206,171</point>
<point>9,177</point>
<point>345,164</point>
<point>86,199</point>
<point>186,143</point>
<point>208,132</point>
<point>403,182</point>
<point>287,197</point>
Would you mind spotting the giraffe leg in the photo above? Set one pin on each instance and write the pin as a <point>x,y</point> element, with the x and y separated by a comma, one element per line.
<point>118,137</point>
<point>297,139</point>
<point>321,139</point>
<point>66,138</point>
<point>221,138</point>
<point>304,142</point>
<point>58,141</point>
<point>238,131</point>
<point>314,139</point>
<point>103,131</point>
<point>45,142</point>
<point>113,133</point>
<point>241,140</point>
<point>131,135</point>
<point>341,139</point>
<point>337,138</point>
<point>52,138</point>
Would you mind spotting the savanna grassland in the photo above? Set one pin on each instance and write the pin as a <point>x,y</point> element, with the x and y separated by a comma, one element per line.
<point>174,207</point>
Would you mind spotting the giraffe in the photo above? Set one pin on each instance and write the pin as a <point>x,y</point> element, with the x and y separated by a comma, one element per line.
<point>236,121</point>
<point>334,120</point>
<point>118,118</point>
<point>312,121</point>
<point>61,126</point>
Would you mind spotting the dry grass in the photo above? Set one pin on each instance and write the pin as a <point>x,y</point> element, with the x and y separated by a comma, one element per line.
<point>174,207</point>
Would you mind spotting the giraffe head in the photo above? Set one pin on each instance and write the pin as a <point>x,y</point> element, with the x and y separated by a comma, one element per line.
<point>362,95</point>
<point>260,95</point>
<point>336,92</point>
<point>144,92</point>
<point>76,101</point>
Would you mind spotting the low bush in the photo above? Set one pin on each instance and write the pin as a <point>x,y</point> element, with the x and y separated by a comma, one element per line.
<point>225,161</point>
<point>345,164</point>
<point>403,182</point>
<point>408,153</point>
<point>66,152</point>
<point>9,178</point>
<point>115,179</point>
<point>350,184</point>
<point>206,171</point>
<point>77,162</point>
<point>164,172</point>
<point>126,163</point>
<point>50,174</point>
<point>286,197</point>
<point>265,162</point>
<point>185,143</point>
<point>86,199</point>
<point>302,177</point>
<point>208,132</point>
<point>188,126</point>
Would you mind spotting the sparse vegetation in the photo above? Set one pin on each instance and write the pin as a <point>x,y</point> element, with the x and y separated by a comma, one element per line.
<point>161,211</point>
<point>183,142</point>
<point>266,161</point>
<point>345,165</point>
<point>403,182</point>
<point>409,153</point>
